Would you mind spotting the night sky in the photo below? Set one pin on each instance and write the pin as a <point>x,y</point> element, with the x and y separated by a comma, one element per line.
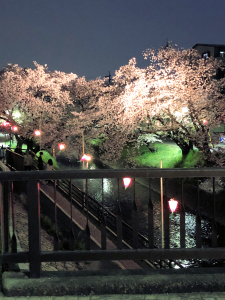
<point>92,37</point>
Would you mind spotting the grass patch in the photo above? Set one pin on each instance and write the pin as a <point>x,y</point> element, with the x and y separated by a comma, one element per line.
<point>13,145</point>
<point>169,154</point>
<point>46,156</point>
<point>194,159</point>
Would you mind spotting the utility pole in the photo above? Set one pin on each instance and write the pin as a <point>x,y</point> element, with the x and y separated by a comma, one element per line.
<point>109,77</point>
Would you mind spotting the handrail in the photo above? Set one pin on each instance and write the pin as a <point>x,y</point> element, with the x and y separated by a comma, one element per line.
<point>132,173</point>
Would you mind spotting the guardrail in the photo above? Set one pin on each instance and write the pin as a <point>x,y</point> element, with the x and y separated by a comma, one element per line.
<point>35,256</point>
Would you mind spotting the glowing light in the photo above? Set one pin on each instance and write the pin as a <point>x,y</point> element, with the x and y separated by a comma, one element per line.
<point>184,109</point>
<point>205,121</point>
<point>14,128</point>
<point>177,114</point>
<point>173,205</point>
<point>5,123</point>
<point>37,132</point>
<point>157,123</point>
<point>85,157</point>
<point>17,114</point>
<point>185,120</point>
<point>126,182</point>
<point>61,146</point>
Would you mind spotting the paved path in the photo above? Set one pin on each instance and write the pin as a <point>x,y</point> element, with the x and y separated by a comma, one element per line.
<point>183,296</point>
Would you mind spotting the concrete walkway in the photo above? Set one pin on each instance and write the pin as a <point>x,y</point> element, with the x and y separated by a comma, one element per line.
<point>183,296</point>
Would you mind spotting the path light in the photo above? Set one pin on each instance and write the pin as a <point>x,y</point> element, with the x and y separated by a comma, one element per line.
<point>173,205</point>
<point>61,146</point>
<point>37,132</point>
<point>126,182</point>
<point>85,157</point>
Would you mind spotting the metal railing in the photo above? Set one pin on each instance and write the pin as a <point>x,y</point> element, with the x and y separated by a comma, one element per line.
<point>35,256</point>
<point>99,211</point>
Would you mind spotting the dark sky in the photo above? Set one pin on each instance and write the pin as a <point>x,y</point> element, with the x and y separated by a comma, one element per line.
<point>92,37</point>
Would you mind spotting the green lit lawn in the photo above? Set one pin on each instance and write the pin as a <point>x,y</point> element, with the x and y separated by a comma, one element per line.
<point>170,155</point>
<point>46,156</point>
<point>13,146</point>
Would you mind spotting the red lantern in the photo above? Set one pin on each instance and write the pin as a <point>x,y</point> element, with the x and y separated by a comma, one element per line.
<point>14,128</point>
<point>173,205</point>
<point>61,146</point>
<point>85,157</point>
<point>126,182</point>
<point>37,132</point>
<point>5,123</point>
<point>205,122</point>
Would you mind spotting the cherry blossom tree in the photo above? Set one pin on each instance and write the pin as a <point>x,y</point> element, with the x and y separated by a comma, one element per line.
<point>177,95</point>
<point>40,98</point>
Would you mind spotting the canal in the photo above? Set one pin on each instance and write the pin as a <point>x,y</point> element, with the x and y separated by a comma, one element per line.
<point>109,197</point>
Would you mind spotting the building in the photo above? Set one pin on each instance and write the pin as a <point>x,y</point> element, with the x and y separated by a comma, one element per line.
<point>213,50</point>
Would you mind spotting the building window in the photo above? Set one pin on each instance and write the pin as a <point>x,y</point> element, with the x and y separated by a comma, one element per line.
<point>205,55</point>
<point>222,53</point>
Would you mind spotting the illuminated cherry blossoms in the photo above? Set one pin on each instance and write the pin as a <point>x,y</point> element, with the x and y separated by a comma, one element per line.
<point>177,95</point>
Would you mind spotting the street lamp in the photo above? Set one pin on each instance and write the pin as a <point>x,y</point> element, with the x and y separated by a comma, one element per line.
<point>37,132</point>
<point>61,146</point>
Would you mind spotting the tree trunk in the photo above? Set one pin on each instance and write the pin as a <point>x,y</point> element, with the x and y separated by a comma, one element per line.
<point>184,146</point>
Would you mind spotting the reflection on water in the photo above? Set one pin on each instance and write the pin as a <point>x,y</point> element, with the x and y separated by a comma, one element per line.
<point>110,197</point>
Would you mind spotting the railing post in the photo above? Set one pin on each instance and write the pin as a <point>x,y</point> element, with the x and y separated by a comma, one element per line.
<point>72,236</point>
<point>166,219</point>
<point>135,222</point>
<point>87,228</point>
<point>214,227</point>
<point>5,213</point>
<point>14,242</point>
<point>103,223</point>
<point>198,222</point>
<point>182,217</point>
<point>33,197</point>
<point>119,227</point>
<point>150,219</point>
<point>119,221</point>
<point>56,237</point>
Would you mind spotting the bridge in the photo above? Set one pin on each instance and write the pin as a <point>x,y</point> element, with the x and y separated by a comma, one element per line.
<point>130,244</point>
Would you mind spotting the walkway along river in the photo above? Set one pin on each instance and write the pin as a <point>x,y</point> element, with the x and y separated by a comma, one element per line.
<point>109,198</point>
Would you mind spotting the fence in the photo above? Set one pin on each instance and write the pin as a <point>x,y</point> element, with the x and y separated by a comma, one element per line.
<point>34,256</point>
<point>14,160</point>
